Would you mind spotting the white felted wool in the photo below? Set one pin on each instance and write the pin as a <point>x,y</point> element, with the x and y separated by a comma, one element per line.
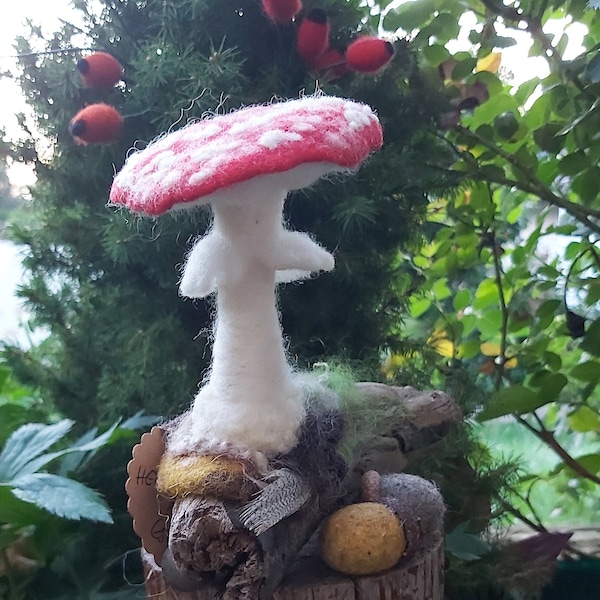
<point>248,228</point>
<point>251,399</point>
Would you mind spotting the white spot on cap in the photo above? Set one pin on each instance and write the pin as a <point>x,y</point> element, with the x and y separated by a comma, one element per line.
<point>303,127</point>
<point>277,137</point>
<point>357,117</point>
<point>193,134</point>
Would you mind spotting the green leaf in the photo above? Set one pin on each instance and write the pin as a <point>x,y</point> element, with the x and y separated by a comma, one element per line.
<point>86,444</point>
<point>469,348</point>
<point>591,462</point>
<point>586,371</point>
<point>587,184</point>
<point>61,496</point>
<point>469,323</point>
<point>440,289</point>
<point>464,68</point>
<point>562,229</point>
<point>419,307</point>
<point>486,294</point>
<point>16,512</point>
<point>500,41</point>
<point>435,54</point>
<point>549,386</point>
<point>591,340</point>
<point>547,137</point>
<point>26,444</point>
<point>489,323</point>
<point>515,399</point>
<point>506,124</point>
<point>584,419</point>
<point>464,545</point>
<point>586,115</point>
<point>409,16</point>
<point>552,360</point>
<point>574,163</point>
<point>462,299</point>
<point>547,311</point>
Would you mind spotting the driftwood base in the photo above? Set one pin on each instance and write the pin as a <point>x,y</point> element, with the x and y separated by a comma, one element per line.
<point>419,578</point>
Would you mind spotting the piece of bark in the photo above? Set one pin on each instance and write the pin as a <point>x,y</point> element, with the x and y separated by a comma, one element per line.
<point>226,561</point>
<point>429,414</point>
<point>426,417</point>
<point>208,549</point>
<point>419,578</point>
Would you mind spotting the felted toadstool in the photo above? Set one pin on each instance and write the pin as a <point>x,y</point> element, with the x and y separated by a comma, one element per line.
<point>243,165</point>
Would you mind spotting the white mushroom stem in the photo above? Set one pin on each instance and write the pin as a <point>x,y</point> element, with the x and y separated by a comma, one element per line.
<point>251,400</point>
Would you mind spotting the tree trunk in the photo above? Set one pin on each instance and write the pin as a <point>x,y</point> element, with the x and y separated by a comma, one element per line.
<point>419,578</point>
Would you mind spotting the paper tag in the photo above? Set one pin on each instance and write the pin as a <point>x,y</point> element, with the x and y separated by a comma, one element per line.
<point>150,511</point>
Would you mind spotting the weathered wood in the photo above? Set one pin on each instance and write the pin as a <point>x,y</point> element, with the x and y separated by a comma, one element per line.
<point>428,415</point>
<point>419,578</point>
<point>209,550</point>
<point>208,543</point>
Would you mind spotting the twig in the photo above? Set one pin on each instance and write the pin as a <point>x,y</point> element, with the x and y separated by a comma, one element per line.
<point>503,311</point>
<point>532,183</point>
<point>550,440</point>
<point>517,513</point>
<point>44,52</point>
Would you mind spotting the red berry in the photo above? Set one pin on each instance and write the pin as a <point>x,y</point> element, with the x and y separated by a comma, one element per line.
<point>282,11</point>
<point>368,54</point>
<point>100,70</point>
<point>313,36</point>
<point>96,124</point>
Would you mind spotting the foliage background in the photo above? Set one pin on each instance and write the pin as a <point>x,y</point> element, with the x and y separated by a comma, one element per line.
<point>443,274</point>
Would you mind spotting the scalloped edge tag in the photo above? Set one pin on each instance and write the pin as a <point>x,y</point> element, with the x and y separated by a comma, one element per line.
<point>149,510</point>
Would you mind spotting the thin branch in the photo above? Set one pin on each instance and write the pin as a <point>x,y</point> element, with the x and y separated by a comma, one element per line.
<point>532,183</point>
<point>547,436</point>
<point>504,314</point>
<point>45,52</point>
<point>517,513</point>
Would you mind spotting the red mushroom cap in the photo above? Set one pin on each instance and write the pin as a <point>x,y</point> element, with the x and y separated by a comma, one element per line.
<point>185,167</point>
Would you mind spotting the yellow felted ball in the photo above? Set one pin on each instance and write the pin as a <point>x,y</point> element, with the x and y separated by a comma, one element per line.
<point>362,539</point>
